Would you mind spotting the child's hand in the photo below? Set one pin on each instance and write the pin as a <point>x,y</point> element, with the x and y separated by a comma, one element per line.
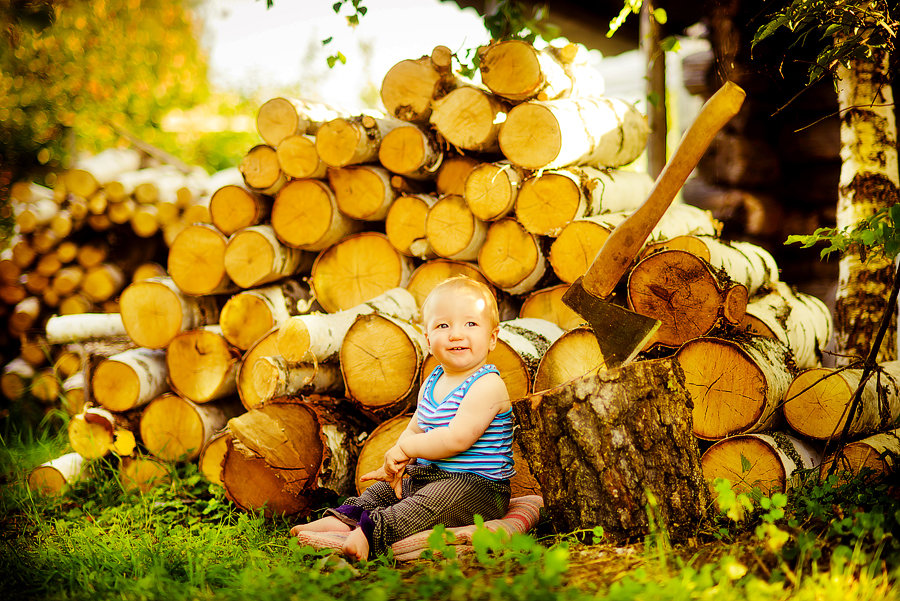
<point>395,460</point>
<point>395,480</point>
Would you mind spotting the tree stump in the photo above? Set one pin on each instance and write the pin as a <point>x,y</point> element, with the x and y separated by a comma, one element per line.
<point>599,444</point>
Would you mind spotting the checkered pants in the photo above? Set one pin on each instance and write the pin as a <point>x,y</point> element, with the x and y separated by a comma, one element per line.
<point>431,496</point>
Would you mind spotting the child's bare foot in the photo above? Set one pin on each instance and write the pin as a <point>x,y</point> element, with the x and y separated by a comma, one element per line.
<point>356,546</point>
<point>327,524</point>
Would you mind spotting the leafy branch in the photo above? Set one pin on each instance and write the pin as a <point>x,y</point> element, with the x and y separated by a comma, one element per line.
<point>878,232</point>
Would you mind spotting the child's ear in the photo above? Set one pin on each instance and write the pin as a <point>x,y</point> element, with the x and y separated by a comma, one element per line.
<point>494,334</point>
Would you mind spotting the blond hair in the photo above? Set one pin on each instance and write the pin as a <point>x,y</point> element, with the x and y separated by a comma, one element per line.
<point>461,282</point>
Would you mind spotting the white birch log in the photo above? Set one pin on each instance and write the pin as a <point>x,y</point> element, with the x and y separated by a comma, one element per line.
<point>275,377</point>
<point>517,71</point>
<point>62,329</point>
<point>404,225</point>
<point>130,379</point>
<point>306,215</point>
<point>51,477</point>
<point>95,432</point>
<point>469,118</point>
<point>491,189</point>
<point>511,258</point>
<point>818,401</point>
<point>248,315</point>
<point>353,141</point>
<point>254,256</point>
<point>155,310</point>
<point>410,87</point>
<point>280,117</point>
<point>16,376</point>
<point>879,454</point>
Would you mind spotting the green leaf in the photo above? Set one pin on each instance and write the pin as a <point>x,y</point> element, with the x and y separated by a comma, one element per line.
<point>660,15</point>
<point>670,44</point>
<point>746,466</point>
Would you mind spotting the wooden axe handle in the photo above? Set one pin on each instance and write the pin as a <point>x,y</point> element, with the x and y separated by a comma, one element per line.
<point>627,239</point>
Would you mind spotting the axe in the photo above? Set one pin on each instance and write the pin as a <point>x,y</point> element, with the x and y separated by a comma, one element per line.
<point>621,333</point>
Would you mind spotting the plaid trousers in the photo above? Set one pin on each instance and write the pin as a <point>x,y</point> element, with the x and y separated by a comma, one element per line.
<point>431,496</point>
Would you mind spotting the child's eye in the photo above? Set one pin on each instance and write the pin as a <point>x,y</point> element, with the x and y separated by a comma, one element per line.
<point>472,324</point>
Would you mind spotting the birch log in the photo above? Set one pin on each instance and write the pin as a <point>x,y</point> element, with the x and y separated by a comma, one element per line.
<point>16,376</point>
<point>469,118</point>
<point>280,117</point>
<point>196,261</point>
<point>818,401</point>
<point>298,158</point>
<point>52,477</point>
<point>212,455</point>
<point>452,231</point>
<point>547,303</point>
<point>130,379</point>
<point>736,385</point>
<point>878,454</point>
<point>254,256</point>
<point>572,355</point>
<point>176,429</point>
<point>248,315</point>
<point>352,140</point>
<point>274,377</point>
<point>62,329</point>
<point>234,207</point>
<point>431,273</point>
<point>607,132</point>
<point>322,334</point>
<point>404,225</point>
<point>202,365</point>
<point>143,474</point>
<point>305,215</point>
<point>491,189</point>
<point>410,87</point>
<point>511,258</point>
<point>356,269</point>
<point>411,151</point>
<point>452,174</point>
<point>517,71</point>
<point>379,440</point>
<point>772,462</point>
<point>261,170</point>
<point>264,347</point>
<point>96,432</point>
<point>362,192</point>
<point>155,310</point>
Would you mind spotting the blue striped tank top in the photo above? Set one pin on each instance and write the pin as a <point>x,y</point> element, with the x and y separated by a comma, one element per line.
<point>491,456</point>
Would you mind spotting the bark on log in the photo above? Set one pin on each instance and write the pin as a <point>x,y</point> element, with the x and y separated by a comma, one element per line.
<point>772,462</point>
<point>202,365</point>
<point>155,310</point>
<point>52,477</point>
<point>877,454</point>
<point>801,321</point>
<point>196,261</point>
<point>233,207</point>
<point>686,294</point>
<point>176,429</point>
<point>411,151</point>
<point>491,189</point>
<point>275,377</point>
<point>431,273</point>
<point>362,192</point>
<point>254,257</point>
<point>95,432</point>
<point>298,158</point>
<point>356,269</point>
<point>404,225</point>
<point>130,379</point>
<point>62,329</point>
<point>736,385</point>
<point>547,303</point>
<point>410,87</point>
<point>511,258</point>
<point>818,400</point>
<point>305,215</point>
<point>600,444</point>
<point>571,356</point>
<point>248,315</point>
<point>352,140</point>
<point>452,231</point>
<point>264,347</point>
<point>322,334</point>
<point>517,71</point>
<point>549,200</point>
<point>469,119</point>
<point>381,358</point>
<point>605,132</point>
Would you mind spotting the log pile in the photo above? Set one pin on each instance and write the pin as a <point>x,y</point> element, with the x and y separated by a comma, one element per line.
<point>284,330</point>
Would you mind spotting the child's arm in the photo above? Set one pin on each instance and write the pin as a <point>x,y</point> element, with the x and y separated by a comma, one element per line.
<point>485,399</point>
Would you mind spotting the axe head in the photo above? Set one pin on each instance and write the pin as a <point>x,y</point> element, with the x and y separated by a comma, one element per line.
<point>621,333</point>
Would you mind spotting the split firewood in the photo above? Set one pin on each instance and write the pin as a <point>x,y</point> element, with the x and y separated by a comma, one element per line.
<point>452,231</point>
<point>801,321</point>
<point>176,429</point>
<point>818,401</point>
<point>261,170</point>
<point>278,118</point>
<point>143,474</point>
<point>411,151</point>
<point>202,365</point>
<point>305,215</point>
<point>254,256</point>
<point>512,258</point>
<point>878,454</point>
<point>322,334</point>
<point>410,87</point>
<point>196,261</point>
<point>15,379</point>
<point>517,71</point>
<point>298,158</point>
<point>62,329</point>
<point>491,189</point>
<point>627,434</point>
<point>155,310</point>
<point>469,118</point>
<point>404,225</point>
<point>381,357</point>
<point>686,294</point>
<point>52,477</point>
<point>430,273</point>
<point>549,200</point>
<point>353,140</point>
<point>572,355</point>
<point>579,241</point>
<point>363,191</point>
<point>211,456</point>
<point>605,132</point>
<point>356,269</point>
<point>234,207</point>
<point>772,462</point>
<point>453,172</point>
<point>274,377</point>
<point>248,315</point>
<point>96,432</point>
<point>130,379</point>
<point>547,303</point>
<point>736,385</point>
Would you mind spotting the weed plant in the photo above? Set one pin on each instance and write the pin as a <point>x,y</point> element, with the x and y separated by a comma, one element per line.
<point>186,540</point>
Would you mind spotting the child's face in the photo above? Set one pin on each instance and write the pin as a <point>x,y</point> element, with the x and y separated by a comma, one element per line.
<point>459,331</point>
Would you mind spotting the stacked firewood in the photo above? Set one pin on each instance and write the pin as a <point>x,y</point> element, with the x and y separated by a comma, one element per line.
<point>281,350</point>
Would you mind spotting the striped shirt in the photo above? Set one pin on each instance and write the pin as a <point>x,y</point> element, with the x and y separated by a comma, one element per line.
<point>491,455</point>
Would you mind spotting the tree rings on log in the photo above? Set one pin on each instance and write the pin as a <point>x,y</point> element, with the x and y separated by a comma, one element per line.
<point>254,256</point>
<point>511,258</point>
<point>299,159</point>
<point>452,174</point>
<point>571,356</point>
<point>873,457</point>
<point>196,261</point>
<point>452,231</point>
<point>212,455</point>
<point>155,310</point>
<point>601,445</point>
<point>547,303</point>
<point>142,474</point>
<point>404,225</point>
<point>305,215</point>
<point>491,189</point>
<point>130,379</point>
<point>233,207</point>
<point>517,71</point>
<point>410,86</point>
<point>176,429</point>
<point>431,273</point>
<point>469,118</point>
<point>371,455</point>
<point>202,365</point>
<point>771,462</point>
<point>411,152</point>
<point>248,315</point>
<point>261,170</point>
<point>736,385</point>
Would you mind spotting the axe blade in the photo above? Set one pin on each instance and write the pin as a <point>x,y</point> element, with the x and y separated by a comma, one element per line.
<point>621,333</point>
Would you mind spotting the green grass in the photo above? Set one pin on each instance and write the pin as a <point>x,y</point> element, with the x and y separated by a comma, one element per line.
<point>185,540</point>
